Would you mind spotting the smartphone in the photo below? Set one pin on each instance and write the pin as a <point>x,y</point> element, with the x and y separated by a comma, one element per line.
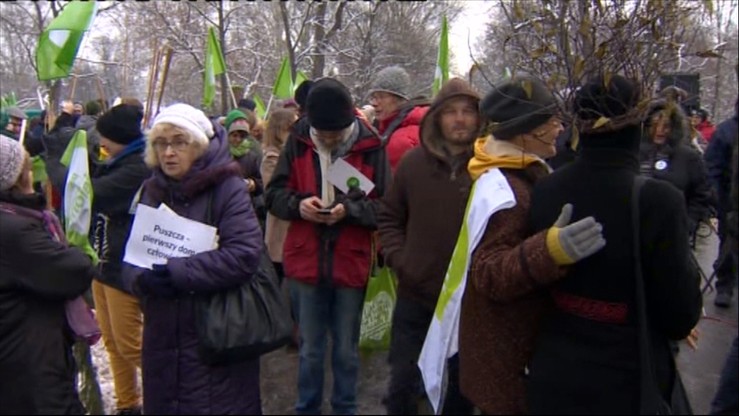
<point>324,211</point>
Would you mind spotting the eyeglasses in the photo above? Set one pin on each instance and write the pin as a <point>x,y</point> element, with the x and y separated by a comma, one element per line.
<point>177,145</point>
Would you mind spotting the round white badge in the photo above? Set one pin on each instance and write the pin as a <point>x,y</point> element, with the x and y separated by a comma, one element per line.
<point>660,165</point>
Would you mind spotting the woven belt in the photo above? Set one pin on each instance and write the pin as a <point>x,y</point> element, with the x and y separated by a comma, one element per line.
<point>592,309</point>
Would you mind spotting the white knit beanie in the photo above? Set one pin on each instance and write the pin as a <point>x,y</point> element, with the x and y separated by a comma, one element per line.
<point>11,162</point>
<point>189,118</point>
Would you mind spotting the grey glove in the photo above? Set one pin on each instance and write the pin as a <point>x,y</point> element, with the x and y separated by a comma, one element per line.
<point>570,243</point>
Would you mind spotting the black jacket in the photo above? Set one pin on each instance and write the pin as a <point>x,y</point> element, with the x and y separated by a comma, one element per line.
<point>37,276</point>
<point>718,160</point>
<point>114,185</point>
<point>678,163</point>
<point>600,359</point>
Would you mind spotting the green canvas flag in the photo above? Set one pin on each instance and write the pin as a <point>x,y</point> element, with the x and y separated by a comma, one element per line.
<point>78,195</point>
<point>60,41</point>
<point>442,60</point>
<point>261,108</point>
<point>283,87</point>
<point>214,65</point>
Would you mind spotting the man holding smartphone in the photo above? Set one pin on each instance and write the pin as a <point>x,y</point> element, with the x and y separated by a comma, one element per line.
<point>328,247</point>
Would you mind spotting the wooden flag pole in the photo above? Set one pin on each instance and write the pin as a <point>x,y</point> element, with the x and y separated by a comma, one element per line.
<point>269,104</point>
<point>101,93</point>
<point>168,51</point>
<point>153,74</point>
<point>230,90</point>
<point>74,88</point>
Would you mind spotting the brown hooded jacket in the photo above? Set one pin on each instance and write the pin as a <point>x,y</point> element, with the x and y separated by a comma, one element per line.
<point>420,217</point>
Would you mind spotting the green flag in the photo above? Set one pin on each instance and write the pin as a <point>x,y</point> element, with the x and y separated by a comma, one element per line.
<point>60,41</point>
<point>214,65</point>
<point>78,194</point>
<point>283,87</point>
<point>300,77</point>
<point>442,61</point>
<point>261,108</point>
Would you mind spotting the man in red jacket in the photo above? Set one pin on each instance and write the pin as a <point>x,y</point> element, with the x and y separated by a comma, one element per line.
<point>699,120</point>
<point>327,182</point>
<point>398,118</point>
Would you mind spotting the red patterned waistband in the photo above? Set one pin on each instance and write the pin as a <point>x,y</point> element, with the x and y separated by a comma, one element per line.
<point>593,309</point>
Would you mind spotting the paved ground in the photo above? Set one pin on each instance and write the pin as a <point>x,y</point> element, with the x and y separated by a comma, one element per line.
<point>700,369</point>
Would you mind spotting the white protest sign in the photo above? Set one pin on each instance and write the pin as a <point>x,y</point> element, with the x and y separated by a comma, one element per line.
<point>343,176</point>
<point>160,234</point>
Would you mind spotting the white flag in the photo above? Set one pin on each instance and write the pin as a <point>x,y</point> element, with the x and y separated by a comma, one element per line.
<point>78,194</point>
<point>490,194</point>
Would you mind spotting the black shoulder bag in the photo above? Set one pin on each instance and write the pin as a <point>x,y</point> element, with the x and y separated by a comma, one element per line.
<point>244,322</point>
<point>651,400</point>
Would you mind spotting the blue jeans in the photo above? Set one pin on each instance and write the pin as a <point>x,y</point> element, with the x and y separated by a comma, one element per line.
<point>320,309</point>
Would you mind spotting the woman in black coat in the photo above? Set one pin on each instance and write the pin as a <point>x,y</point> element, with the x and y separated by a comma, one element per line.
<point>666,153</point>
<point>586,360</point>
<point>38,275</point>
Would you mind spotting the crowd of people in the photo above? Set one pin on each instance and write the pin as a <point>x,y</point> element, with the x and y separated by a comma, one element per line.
<point>551,314</point>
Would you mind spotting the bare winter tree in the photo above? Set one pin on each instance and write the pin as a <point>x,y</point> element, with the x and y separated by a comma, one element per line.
<point>565,43</point>
<point>348,40</point>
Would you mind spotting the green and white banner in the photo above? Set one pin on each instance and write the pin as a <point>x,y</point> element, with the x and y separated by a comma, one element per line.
<point>77,207</point>
<point>490,194</point>
<point>60,41</point>
<point>442,59</point>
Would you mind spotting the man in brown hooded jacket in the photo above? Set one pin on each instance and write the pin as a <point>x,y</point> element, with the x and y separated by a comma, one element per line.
<point>419,221</point>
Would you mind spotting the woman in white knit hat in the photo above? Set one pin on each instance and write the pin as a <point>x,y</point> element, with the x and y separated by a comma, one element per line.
<point>195,175</point>
<point>39,273</point>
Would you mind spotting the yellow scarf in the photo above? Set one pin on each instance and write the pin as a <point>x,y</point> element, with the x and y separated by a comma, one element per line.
<point>491,153</point>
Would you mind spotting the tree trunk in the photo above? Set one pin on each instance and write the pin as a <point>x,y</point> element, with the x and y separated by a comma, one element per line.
<point>288,38</point>
<point>319,37</point>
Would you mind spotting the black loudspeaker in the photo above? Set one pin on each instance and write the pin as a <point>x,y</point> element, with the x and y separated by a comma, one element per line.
<point>689,82</point>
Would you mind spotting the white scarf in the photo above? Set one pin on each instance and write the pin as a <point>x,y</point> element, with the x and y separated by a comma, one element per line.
<point>328,193</point>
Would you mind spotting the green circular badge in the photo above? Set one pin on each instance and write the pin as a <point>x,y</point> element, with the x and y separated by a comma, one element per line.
<point>352,182</point>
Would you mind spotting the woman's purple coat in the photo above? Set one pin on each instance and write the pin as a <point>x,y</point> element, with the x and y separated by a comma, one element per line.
<point>175,380</point>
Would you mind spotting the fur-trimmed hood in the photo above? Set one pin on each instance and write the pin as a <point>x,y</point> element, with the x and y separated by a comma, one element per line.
<point>679,123</point>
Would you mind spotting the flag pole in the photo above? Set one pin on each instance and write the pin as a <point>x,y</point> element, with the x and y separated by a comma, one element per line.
<point>22,137</point>
<point>165,71</point>
<point>230,90</point>
<point>74,88</point>
<point>153,74</point>
<point>269,104</point>
<point>101,93</point>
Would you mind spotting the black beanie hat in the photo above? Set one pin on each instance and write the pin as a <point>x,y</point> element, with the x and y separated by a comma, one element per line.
<point>122,124</point>
<point>247,103</point>
<point>301,93</point>
<point>518,106</point>
<point>329,105</point>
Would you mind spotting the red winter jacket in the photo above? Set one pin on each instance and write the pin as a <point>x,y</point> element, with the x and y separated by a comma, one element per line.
<point>706,130</point>
<point>338,255</point>
<point>401,133</point>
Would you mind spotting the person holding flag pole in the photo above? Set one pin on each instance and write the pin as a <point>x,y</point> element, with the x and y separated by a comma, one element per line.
<point>42,279</point>
<point>113,185</point>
